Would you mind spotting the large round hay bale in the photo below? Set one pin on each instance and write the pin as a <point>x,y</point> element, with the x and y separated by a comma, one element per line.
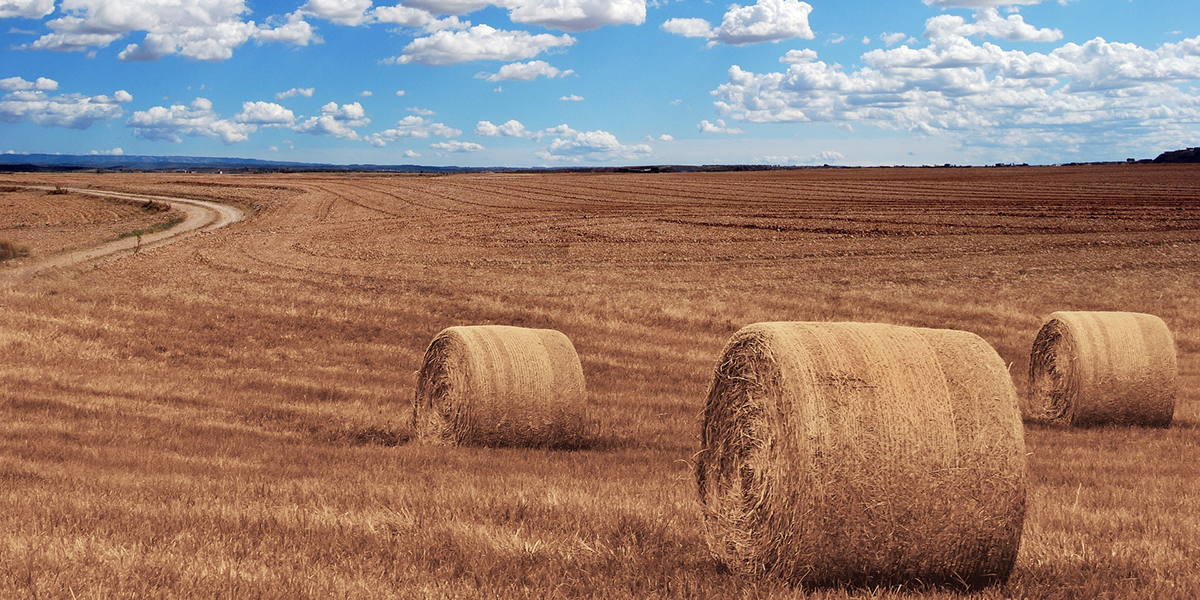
<point>1094,368</point>
<point>862,454</point>
<point>493,385</point>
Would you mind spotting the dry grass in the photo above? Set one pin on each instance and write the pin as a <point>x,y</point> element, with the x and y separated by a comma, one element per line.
<point>1102,368</point>
<point>230,416</point>
<point>496,385</point>
<point>863,454</point>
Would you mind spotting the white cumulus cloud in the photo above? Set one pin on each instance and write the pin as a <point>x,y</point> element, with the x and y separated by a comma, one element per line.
<point>16,84</point>
<point>798,56</point>
<point>265,114</point>
<point>984,3</point>
<point>207,30</point>
<point>570,145</point>
<point>824,157</point>
<point>411,15</point>
<point>27,102</point>
<point>988,22</point>
<point>336,121</point>
<point>689,27</point>
<point>342,12</point>
<point>1109,94</point>
<point>196,119</point>
<point>764,21</point>
<point>718,127</point>
<point>481,42</point>
<point>306,92</point>
<point>510,128</point>
<point>403,15</point>
<point>528,71</point>
<point>292,30</point>
<point>456,146</point>
<point>448,7</point>
<point>576,15</point>
<point>27,9</point>
<point>412,126</point>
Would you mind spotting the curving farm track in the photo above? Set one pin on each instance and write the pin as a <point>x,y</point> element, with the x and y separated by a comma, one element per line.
<point>199,216</point>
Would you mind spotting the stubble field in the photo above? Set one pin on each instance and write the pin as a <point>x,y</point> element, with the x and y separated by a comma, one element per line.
<point>45,222</point>
<point>229,416</point>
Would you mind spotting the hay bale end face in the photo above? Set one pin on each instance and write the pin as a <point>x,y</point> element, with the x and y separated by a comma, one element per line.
<point>1098,368</point>
<point>838,454</point>
<point>493,385</point>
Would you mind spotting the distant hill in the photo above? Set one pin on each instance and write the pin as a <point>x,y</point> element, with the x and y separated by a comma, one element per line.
<point>1187,155</point>
<point>208,164</point>
<point>66,162</point>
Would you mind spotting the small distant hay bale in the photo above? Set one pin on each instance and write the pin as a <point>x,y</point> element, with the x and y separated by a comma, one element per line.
<point>9,250</point>
<point>1096,368</point>
<point>493,385</point>
<point>858,454</point>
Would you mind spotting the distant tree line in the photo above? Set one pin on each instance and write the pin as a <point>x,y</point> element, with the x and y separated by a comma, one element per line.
<point>1187,155</point>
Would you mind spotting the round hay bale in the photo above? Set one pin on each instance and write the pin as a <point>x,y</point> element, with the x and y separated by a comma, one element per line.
<point>493,385</point>
<point>837,454</point>
<point>1095,368</point>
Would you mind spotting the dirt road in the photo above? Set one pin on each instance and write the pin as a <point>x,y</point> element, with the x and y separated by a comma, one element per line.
<point>199,216</point>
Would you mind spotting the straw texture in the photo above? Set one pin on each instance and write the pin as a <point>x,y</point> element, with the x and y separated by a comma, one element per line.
<point>493,385</point>
<point>1096,368</point>
<point>862,454</point>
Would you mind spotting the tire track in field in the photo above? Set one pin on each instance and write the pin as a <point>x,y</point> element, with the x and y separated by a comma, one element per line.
<point>435,198</point>
<point>301,246</point>
<point>200,216</point>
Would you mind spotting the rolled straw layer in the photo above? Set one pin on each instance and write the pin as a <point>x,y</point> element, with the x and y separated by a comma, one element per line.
<point>862,454</point>
<point>1096,368</point>
<point>493,385</point>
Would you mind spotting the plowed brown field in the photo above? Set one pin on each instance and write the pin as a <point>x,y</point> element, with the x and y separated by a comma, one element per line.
<point>228,416</point>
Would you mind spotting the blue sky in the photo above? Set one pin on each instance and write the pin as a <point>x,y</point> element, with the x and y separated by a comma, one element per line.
<point>602,82</point>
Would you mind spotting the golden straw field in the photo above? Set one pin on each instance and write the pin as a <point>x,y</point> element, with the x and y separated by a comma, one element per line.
<point>229,416</point>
